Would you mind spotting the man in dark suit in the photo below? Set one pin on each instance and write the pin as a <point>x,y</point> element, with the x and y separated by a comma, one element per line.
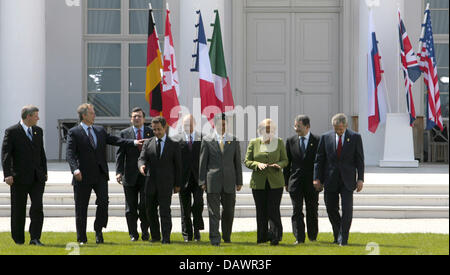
<point>301,151</point>
<point>339,167</point>
<point>127,174</point>
<point>25,171</point>
<point>190,142</point>
<point>86,155</point>
<point>160,162</point>
<point>220,176</point>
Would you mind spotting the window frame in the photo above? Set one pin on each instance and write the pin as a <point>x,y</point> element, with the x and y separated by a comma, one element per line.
<point>125,39</point>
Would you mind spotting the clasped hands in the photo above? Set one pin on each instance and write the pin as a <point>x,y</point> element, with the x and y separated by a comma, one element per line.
<point>262,166</point>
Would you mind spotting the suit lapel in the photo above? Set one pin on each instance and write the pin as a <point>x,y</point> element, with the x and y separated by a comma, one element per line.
<point>86,138</point>
<point>296,150</point>
<point>345,142</point>
<point>23,134</point>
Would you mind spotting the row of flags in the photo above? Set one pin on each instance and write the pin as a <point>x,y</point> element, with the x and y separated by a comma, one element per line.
<point>412,66</point>
<point>162,82</point>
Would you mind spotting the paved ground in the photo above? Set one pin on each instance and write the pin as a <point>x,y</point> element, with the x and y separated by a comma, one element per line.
<point>249,224</point>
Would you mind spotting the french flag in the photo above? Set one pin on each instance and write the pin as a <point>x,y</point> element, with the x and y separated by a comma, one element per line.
<point>203,66</point>
<point>377,108</point>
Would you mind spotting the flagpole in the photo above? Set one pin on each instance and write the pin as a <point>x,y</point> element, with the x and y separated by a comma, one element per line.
<point>398,63</point>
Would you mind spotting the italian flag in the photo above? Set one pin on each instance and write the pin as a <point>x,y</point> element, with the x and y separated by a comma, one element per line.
<point>222,85</point>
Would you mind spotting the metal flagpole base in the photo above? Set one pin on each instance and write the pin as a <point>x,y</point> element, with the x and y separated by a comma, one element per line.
<point>398,142</point>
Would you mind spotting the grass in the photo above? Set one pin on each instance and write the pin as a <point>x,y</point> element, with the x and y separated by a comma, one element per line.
<point>243,243</point>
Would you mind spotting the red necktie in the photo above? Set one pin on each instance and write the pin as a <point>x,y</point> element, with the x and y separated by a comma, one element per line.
<point>339,148</point>
<point>139,137</point>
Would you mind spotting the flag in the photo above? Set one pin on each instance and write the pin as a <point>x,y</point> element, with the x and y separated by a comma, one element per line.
<point>409,66</point>
<point>171,88</point>
<point>154,66</point>
<point>203,66</point>
<point>427,63</point>
<point>221,81</point>
<point>377,108</point>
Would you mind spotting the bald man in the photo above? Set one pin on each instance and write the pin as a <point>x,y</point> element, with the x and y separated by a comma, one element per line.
<point>191,194</point>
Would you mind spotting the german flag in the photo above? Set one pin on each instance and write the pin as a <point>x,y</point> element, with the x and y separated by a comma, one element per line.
<point>153,87</point>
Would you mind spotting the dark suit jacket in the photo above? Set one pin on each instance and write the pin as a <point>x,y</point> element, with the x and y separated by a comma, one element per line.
<point>127,157</point>
<point>165,173</point>
<point>190,159</point>
<point>350,165</point>
<point>300,170</point>
<point>22,159</point>
<point>81,155</point>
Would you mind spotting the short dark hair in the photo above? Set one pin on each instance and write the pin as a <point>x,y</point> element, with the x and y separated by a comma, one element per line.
<point>304,119</point>
<point>28,110</point>
<point>161,120</point>
<point>138,109</point>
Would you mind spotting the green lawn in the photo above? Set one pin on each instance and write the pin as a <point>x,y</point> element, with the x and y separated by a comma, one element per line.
<point>243,243</point>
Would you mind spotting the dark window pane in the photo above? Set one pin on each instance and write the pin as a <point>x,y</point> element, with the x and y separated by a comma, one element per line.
<point>137,80</point>
<point>441,54</point>
<point>104,80</point>
<point>138,55</point>
<point>103,22</point>
<point>104,55</point>
<point>439,21</point>
<point>138,100</point>
<point>437,4</point>
<point>139,22</point>
<point>106,105</point>
<point>444,105</point>
<point>143,4</point>
<point>103,4</point>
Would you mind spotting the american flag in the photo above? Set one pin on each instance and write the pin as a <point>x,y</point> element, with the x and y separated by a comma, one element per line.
<point>427,65</point>
<point>410,67</point>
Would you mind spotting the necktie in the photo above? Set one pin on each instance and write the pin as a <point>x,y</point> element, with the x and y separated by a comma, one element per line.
<point>339,148</point>
<point>303,145</point>
<point>91,138</point>
<point>190,143</point>
<point>139,137</point>
<point>30,134</point>
<point>222,145</point>
<point>158,148</point>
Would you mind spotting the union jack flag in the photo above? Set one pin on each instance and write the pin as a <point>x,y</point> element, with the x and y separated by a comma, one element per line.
<point>427,65</point>
<point>410,67</point>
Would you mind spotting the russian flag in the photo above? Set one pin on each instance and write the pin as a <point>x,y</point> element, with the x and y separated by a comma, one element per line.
<point>377,108</point>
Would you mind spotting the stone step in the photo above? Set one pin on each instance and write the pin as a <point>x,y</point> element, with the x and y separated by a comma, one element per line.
<point>245,211</point>
<point>369,188</point>
<point>247,199</point>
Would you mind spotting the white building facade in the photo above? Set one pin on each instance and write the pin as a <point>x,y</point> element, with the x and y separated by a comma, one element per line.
<point>303,56</point>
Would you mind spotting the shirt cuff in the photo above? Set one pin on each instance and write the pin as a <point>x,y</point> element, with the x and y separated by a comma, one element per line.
<point>76,172</point>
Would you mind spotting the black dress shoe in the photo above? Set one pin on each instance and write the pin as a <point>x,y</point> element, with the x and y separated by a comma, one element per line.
<point>215,244</point>
<point>274,242</point>
<point>134,239</point>
<point>197,235</point>
<point>297,242</point>
<point>99,238</point>
<point>145,236</point>
<point>165,242</point>
<point>155,240</point>
<point>36,242</point>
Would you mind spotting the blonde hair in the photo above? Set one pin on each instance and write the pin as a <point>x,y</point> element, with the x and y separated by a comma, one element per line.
<point>263,126</point>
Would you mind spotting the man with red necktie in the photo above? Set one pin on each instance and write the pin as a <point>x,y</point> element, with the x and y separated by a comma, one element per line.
<point>128,175</point>
<point>339,168</point>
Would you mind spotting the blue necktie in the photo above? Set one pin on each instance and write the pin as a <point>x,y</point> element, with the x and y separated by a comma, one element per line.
<point>30,134</point>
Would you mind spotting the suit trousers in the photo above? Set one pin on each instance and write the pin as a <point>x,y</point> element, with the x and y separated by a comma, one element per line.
<point>135,207</point>
<point>268,214</point>
<point>163,201</point>
<point>82,194</point>
<point>228,202</point>
<point>19,195</point>
<point>194,191</point>
<point>311,199</point>
<point>341,225</point>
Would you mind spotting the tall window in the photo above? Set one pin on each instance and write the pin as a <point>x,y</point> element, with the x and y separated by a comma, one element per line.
<point>439,19</point>
<point>115,37</point>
